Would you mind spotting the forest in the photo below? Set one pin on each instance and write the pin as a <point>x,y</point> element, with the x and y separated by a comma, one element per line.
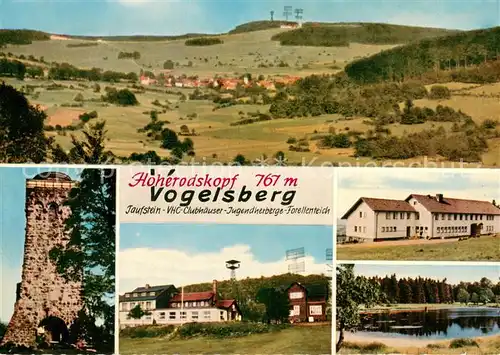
<point>21,36</point>
<point>366,33</point>
<point>461,50</point>
<point>425,290</point>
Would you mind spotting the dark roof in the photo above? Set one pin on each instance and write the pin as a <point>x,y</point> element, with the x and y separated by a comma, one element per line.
<point>152,288</point>
<point>381,205</point>
<point>455,205</point>
<point>52,175</point>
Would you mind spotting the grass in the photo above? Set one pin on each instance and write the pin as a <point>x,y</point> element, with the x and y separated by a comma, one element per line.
<point>362,348</point>
<point>484,248</point>
<point>296,340</point>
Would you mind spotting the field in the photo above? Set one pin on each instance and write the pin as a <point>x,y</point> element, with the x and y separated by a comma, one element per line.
<point>216,140</point>
<point>484,248</point>
<point>296,340</point>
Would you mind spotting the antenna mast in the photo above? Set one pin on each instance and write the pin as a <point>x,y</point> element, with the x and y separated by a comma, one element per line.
<point>296,264</point>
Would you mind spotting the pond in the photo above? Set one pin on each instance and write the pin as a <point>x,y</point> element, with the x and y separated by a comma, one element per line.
<point>433,324</point>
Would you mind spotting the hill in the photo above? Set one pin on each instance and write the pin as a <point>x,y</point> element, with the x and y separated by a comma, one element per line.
<point>21,36</point>
<point>259,26</point>
<point>328,35</point>
<point>464,49</point>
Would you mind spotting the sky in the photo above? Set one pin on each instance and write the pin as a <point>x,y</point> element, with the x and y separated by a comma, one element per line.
<point>170,17</point>
<point>392,183</point>
<point>182,254</point>
<point>12,230</point>
<point>453,273</point>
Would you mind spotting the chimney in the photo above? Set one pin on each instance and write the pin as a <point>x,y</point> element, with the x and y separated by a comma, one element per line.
<point>494,203</point>
<point>214,289</point>
<point>439,197</point>
<point>147,286</point>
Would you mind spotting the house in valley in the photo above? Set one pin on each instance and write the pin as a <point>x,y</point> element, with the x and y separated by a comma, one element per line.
<point>167,305</point>
<point>420,216</point>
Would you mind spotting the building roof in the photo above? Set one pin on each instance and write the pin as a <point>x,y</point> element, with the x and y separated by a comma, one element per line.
<point>381,205</point>
<point>52,175</point>
<point>455,205</point>
<point>225,303</point>
<point>192,296</point>
<point>148,288</point>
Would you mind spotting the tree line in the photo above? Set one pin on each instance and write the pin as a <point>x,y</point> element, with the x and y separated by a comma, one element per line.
<point>203,41</point>
<point>21,37</point>
<point>463,50</point>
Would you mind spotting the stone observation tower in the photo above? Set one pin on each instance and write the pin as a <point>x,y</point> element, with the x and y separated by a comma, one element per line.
<point>45,303</point>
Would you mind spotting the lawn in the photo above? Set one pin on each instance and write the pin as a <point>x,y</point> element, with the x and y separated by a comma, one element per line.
<point>296,340</point>
<point>485,248</point>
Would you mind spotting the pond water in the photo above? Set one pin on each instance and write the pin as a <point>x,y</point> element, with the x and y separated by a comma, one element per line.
<point>433,324</point>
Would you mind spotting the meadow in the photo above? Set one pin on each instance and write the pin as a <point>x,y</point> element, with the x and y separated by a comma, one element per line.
<point>484,248</point>
<point>298,339</point>
<point>216,140</point>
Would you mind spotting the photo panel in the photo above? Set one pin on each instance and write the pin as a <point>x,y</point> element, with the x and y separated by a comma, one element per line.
<point>225,260</point>
<point>419,307</point>
<point>57,259</point>
<point>418,214</point>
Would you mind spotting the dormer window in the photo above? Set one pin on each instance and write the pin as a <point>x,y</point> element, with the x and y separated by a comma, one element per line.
<point>127,295</point>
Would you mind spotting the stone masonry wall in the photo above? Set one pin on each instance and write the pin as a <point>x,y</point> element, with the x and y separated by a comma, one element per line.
<point>43,291</point>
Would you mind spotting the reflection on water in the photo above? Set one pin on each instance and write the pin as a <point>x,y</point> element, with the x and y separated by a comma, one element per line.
<point>435,324</point>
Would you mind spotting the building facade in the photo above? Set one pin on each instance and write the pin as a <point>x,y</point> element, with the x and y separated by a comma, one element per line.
<point>308,303</point>
<point>420,216</point>
<point>166,305</point>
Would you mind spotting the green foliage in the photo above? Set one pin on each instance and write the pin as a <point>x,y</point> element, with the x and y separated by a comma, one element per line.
<point>366,33</point>
<point>147,331</point>
<point>3,329</point>
<point>82,44</point>
<point>449,52</point>
<point>277,304</point>
<point>89,256</point>
<point>22,137</point>
<point>439,92</point>
<point>340,140</point>
<point>87,116</point>
<point>258,26</point>
<point>148,158</point>
<point>65,71</point>
<point>34,72</point>
<point>12,68</point>
<point>460,343</point>
<point>129,55</point>
<point>123,97</point>
<point>352,292</point>
<point>225,330</point>
<point>463,296</point>
<point>137,312</point>
<point>375,347</point>
<point>203,41</point>
<point>240,160</point>
<point>21,36</point>
<point>168,64</point>
<point>169,139</point>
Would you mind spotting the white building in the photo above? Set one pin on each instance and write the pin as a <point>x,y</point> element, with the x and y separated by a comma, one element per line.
<point>166,305</point>
<point>420,216</point>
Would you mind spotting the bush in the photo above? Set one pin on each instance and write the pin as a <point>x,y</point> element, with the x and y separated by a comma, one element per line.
<point>435,346</point>
<point>226,330</point>
<point>147,331</point>
<point>203,41</point>
<point>439,92</point>
<point>460,343</point>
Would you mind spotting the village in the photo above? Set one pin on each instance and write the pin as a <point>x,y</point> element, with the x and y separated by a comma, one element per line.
<point>167,79</point>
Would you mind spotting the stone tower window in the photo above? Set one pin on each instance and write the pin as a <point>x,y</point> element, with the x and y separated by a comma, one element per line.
<point>53,211</point>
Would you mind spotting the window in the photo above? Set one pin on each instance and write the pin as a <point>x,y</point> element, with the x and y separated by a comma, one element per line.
<point>436,216</point>
<point>148,316</point>
<point>443,216</point>
<point>194,315</point>
<point>296,310</point>
<point>144,294</point>
<point>383,229</point>
<point>135,295</point>
<point>481,217</point>
<point>148,305</point>
<point>364,229</point>
<point>408,215</point>
<point>151,293</point>
<point>417,216</point>
<point>388,215</point>
<point>127,295</point>
<point>394,229</point>
<point>395,215</point>
<point>171,315</point>
<point>296,295</point>
<point>132,305</point>
<point>186,304</point>
<point>315,310</point>
<point>221,315</point>
<point>455,217</point>
<point>426,228</point>
<point>449,217</point>
<point>461,216</point>
<point>466,216</point>
<point>206,314</point>
<point>162,315</point>
<point>355,228</point>
<point>183,315</point>
<point>402,215</point>
<point>360,214</point>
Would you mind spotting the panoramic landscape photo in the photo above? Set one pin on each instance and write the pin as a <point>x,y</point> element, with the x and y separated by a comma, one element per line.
<point>57,265</point>
<point>241,82</point>
<point>418,309</point>
<point>225,289</point>
<point>432,214</point>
